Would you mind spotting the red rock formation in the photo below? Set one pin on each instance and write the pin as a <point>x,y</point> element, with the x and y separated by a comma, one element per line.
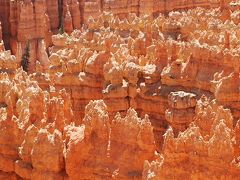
<point>113,144</point>
<point>237,144</point>
<point>92,138</point>
<point>30,20</point>
<point>68,22</point>
<point>38,124</point>
<point>45,164</point>
<point>130,134</point>
<point>0,32</point>
<point>201,151</point>
<point>8,62</point>
<point>4,18</point>
<point>53,14</point>
<point>27,115</point>
<point>181,111</point>
<point>133,83</point>
<point>131,65</point>
<point>1,40</point>
<point>76,14</point>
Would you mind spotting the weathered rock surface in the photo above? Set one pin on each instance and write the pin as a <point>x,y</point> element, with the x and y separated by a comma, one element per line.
<point>202,151</point>
<point>181,111</point>
<point>111,142</point>
<point>28,20</point>
<point>101,93</point>
<point>32,123</point>
<point>1,40</point>
<point>40,140</point>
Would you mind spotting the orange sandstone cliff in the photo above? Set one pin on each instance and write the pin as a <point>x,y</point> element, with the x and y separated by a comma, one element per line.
<point>120,89</point>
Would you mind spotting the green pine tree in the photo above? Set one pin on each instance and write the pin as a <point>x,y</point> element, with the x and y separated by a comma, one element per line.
<point>25,57</point>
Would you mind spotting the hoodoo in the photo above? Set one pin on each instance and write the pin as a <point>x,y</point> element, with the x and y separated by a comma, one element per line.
<point>119,89</point>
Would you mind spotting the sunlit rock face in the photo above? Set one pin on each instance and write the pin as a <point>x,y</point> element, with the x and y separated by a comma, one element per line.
<point>40,139</point>
<point>207,145</point>
<point>33,21</point>
<point>106,146</point>
<point>119,89</point>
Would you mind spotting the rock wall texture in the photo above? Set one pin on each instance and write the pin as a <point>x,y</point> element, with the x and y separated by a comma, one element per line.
<point>4,18</point>
<point>40,140</point>
<point>1,40</point>
<point>205,150</point>
<point>124,94</point>
<point>36,21</point>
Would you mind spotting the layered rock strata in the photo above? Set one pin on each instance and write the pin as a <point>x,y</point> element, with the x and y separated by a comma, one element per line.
<point>8,62</point>
<point>40,140</point>
<point>131,66</point>
<point>111,141</point>
<point>131,63</point>
<point>35,21</point>
<point>29,23</point>
<point>202,151</point>
<point>4,18</point>
<point>181,111</point>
